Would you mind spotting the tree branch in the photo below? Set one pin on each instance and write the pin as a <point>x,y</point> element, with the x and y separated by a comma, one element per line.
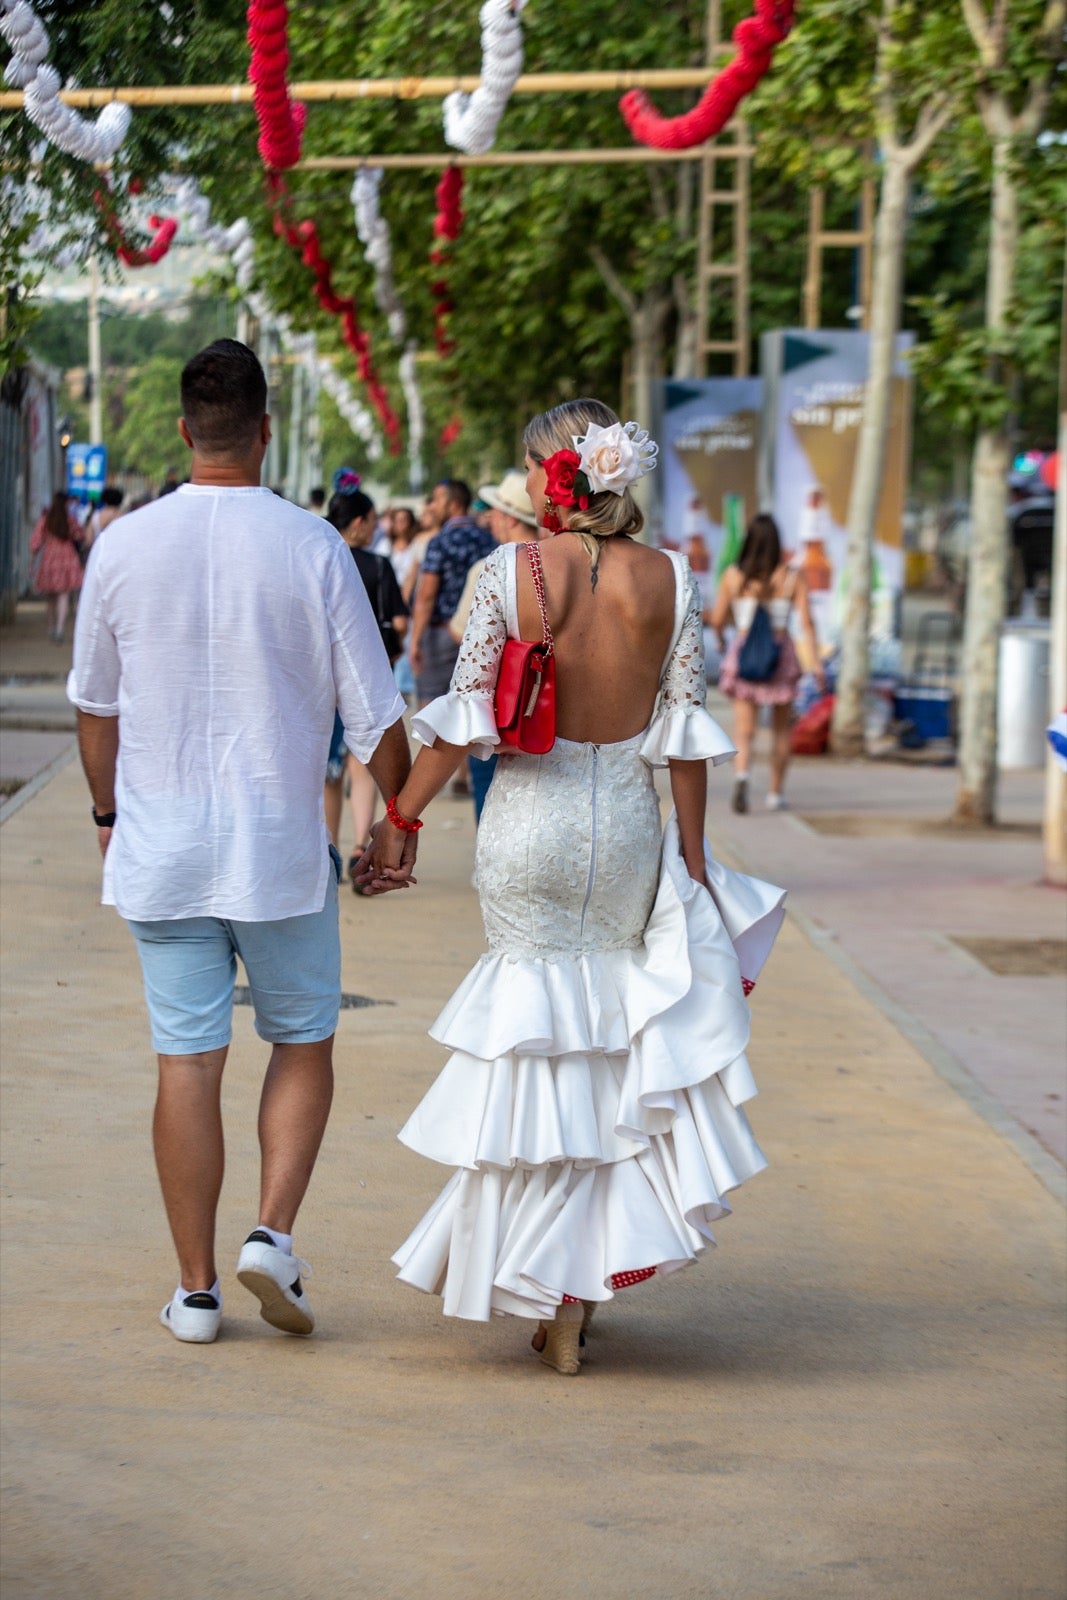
<point>1052,25</point>
<point>980,30</point>
<point>934,117</point>
<point>885,99</point>
<point>622,294</point>
<point>660,208</point>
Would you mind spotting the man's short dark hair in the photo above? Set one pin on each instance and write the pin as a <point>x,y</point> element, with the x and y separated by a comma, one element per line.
<point>112,495</point>
<point>224,398</point>
<point>458,491</point>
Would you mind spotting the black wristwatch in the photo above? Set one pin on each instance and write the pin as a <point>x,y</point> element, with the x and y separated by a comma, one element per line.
<point>104,819</point>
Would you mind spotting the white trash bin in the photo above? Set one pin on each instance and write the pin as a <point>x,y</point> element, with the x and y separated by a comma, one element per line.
<point>1022,694</point>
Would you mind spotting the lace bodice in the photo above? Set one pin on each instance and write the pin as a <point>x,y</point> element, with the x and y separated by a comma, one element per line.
<point>483,638</point>
<point>682,685</point>
<point>680,729</point>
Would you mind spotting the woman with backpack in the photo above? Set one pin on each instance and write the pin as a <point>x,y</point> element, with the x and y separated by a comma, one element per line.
<point>761,667</point>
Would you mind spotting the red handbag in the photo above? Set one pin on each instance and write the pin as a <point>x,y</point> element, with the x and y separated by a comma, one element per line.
<point>525,700</point>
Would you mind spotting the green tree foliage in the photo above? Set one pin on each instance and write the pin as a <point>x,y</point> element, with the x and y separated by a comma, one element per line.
<point>148,441</point>
<point>534,318</point>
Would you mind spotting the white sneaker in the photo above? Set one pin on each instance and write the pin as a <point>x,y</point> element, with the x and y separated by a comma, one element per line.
<point>777,802</point>
<point>274,1278</point>
<point>193,1318</point>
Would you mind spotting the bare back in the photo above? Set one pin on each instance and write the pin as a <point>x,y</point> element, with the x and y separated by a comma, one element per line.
<point>611,642</point>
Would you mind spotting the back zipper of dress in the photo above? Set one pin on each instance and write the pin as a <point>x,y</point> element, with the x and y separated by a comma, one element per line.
<point>592,846</point>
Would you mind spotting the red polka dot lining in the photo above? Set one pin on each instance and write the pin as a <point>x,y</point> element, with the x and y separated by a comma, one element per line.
<point>619,1280</point>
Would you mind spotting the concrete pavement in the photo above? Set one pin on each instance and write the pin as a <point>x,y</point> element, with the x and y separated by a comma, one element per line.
<point>888,889</point>
<point>858,1394</point>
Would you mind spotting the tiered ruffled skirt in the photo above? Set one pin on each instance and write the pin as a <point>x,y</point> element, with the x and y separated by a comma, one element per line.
<point>593,1106</point>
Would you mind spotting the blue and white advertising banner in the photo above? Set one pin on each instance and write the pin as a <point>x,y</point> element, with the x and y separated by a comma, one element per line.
<point>709,440</point>
<point>815,387</point>
<point>86,470</point>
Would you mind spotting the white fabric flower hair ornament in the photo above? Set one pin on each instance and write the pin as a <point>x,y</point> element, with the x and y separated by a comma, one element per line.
<point>614,457</point>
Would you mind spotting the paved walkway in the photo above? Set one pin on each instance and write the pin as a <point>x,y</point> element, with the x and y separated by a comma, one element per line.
<point>859,1394</point>
<point>890,893</point>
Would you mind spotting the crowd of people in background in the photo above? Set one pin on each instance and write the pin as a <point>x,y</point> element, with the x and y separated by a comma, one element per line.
<point>420,564</point>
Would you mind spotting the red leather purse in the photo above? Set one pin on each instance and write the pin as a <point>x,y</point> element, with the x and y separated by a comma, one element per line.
<point>525,700</point>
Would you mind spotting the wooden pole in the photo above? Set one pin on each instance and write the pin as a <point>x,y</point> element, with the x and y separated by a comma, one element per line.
<point>1055,821</point>
<point>222,94</point>
<point>517,158</point>
<point>813,276</point>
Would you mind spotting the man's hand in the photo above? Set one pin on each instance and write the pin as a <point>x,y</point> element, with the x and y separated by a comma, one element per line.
<point>388,860</point>
<point>103,839</point>
<point>417,657</point>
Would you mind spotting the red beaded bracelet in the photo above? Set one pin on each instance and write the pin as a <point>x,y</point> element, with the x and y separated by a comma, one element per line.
<point>398,821</point>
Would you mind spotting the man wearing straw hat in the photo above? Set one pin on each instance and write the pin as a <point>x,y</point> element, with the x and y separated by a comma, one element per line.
<point>511,521</point>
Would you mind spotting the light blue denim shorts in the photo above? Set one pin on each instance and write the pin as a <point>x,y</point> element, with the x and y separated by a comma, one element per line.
<point>293,967</point>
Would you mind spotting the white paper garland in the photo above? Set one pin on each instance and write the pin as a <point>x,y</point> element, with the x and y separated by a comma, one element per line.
<point>374,235</point>
<point>373,231</point>
<point>471,120</point>
<point>339,390</point>
<point>234,241</point>
<point>60,124</point>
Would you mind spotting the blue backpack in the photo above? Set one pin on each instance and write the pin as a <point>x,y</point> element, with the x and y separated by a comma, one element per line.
<point>757,659</point>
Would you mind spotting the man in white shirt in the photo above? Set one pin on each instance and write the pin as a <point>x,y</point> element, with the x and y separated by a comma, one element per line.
<point>219,628</point>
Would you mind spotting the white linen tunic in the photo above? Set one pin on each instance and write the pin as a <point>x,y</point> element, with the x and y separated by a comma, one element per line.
<point>223,627</point>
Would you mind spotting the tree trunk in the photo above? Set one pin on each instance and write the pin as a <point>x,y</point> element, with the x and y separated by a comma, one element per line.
<point>987,565</point>
<point>847,733</point>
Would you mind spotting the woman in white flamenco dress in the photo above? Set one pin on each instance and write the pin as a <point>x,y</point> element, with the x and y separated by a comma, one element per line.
<point>592,1107</point>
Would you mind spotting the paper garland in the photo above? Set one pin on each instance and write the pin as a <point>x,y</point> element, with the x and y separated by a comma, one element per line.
<point>60,124</point>
<point>163,232</point>
<point>447,227</point>
<point>234,241</point>
<point>358,417</point>
<point>281,122</point>
<point>755,38</point>
<point>471,120</point>
<point>373,232</point>
<point>303,237</point>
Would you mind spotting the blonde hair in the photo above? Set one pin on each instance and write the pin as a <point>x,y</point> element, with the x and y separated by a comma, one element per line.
<point>608,513</point>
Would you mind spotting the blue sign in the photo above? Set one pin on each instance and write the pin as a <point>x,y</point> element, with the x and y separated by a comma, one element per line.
<point>86,470</point>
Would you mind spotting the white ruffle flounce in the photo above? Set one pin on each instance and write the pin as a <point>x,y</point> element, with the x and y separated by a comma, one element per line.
<point>463,719</point>
<point>593,1105</point>
<point>685,734</point>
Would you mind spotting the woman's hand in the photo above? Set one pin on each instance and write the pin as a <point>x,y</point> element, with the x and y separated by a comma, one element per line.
<point>388,860</point>
<point>697,869</point>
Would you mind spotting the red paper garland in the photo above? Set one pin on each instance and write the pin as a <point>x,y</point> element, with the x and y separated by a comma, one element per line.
<point>281,122</point>
<point>163,231</point>
<point>447,226</point>
<point>755,38</point>
<point>304,238</point>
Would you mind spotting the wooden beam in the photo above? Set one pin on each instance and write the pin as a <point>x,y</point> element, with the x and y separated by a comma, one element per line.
<point>221,94</point>
<point>513,158</point>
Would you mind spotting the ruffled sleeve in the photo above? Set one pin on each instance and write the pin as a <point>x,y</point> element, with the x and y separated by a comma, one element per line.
<point>681,729</point>
<point>464,716</point>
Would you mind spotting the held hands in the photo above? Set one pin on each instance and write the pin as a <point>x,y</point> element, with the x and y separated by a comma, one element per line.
<point>388,860</point>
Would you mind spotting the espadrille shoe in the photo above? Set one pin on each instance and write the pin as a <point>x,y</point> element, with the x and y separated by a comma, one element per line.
<point>562,1335</point>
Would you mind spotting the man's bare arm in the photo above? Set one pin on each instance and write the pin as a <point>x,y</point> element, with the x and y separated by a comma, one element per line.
<point>98,745</point>
<point>425,600</point>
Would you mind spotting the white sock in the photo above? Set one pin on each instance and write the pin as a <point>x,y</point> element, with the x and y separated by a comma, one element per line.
<point>740,777</point>
<point>182,1293</point>
<point>283,1241</point>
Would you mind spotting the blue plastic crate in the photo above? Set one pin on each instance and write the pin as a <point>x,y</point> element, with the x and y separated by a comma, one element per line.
<point>928,709</point>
